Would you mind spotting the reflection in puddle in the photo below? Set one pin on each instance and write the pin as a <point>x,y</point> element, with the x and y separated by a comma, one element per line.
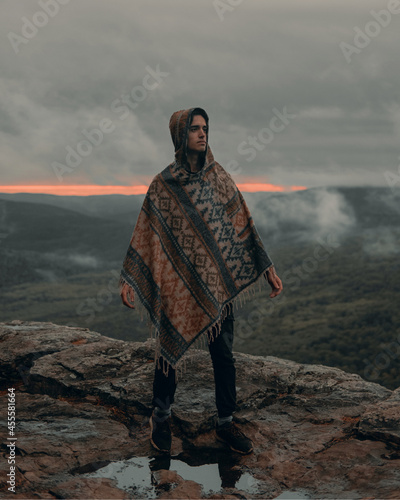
<point>135,475</point>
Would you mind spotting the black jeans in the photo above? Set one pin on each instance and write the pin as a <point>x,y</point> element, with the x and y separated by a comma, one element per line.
<point>224,374</point>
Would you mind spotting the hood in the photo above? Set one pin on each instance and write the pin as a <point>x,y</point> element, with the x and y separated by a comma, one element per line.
<point>178,126</point>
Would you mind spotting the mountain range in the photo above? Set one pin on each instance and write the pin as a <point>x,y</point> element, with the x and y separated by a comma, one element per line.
<point>336,250</point>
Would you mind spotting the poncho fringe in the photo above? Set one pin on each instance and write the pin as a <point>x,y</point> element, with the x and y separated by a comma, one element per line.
<point>205,338</point>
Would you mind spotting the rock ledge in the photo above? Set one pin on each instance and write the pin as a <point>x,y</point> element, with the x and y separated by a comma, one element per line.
<point>83,402</point>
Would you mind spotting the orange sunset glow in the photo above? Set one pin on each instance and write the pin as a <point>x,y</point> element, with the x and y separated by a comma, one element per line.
<point>89,189</point>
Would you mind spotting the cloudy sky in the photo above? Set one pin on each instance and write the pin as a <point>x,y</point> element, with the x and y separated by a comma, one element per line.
<point>299,93</point>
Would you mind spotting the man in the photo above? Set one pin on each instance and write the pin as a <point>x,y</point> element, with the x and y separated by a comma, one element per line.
<point>193,252</point>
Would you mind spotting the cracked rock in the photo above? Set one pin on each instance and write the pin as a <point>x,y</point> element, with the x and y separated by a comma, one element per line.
<point>83,401</point>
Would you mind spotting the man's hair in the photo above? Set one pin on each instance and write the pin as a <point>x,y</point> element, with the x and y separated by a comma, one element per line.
<point>201,112</point>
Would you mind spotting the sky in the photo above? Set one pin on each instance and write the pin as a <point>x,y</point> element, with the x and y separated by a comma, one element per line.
<point>299,94</point>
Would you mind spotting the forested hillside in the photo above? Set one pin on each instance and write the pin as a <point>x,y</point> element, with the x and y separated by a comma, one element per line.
<point>335,250</point>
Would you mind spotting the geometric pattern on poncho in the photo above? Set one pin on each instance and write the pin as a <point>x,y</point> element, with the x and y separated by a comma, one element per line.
<point>193,251</point>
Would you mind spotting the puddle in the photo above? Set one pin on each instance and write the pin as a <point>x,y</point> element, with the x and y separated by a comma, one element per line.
<point>292,495</point>
<point>135,475</point>
<point>132,476</point>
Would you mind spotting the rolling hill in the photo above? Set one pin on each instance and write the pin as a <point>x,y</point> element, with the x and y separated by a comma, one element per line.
<point>335,249</point>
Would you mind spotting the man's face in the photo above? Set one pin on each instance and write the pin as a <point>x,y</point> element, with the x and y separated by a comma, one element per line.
<point>197,138</point>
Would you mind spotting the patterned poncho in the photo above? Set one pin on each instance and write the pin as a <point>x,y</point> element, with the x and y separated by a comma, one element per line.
<point>193,251</point>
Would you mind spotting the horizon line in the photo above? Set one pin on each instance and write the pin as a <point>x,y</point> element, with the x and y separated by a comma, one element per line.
<point>95,189</point>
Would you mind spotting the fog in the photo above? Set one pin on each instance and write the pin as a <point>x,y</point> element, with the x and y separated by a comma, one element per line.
<point>302,216</point>
<point>382,241</point>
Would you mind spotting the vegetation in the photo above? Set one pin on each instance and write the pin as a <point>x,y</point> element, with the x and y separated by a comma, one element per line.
<point>340,309</point>
<point>344,313</point>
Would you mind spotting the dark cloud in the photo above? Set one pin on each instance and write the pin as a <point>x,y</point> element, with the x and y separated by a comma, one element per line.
<point>262,56</point>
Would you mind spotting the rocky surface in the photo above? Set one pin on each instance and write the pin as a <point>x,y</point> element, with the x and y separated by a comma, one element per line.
<point>83,403</point>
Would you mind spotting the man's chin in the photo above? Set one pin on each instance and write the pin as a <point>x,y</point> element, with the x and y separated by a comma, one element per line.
<point>199,149</point>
